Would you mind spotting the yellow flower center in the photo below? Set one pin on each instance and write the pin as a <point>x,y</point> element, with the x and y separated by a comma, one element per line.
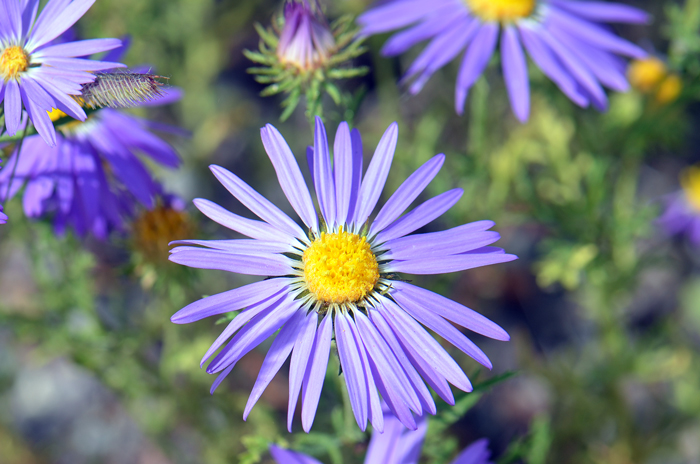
<point>154,229</point>
<point>645,75</point>
<point>690,181</point>
<point>340,268</point>
<point>669,89</point>
<point>501,10</point>
<point>13,61</point>
<point>55,114</point>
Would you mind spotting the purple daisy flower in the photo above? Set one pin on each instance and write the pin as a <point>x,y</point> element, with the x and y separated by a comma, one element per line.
<point>38,75</point>
<point>396,445</point>
<point>92,177</point>
<point>338,276</point>
<point>682,214</point>
<point>565,39</point>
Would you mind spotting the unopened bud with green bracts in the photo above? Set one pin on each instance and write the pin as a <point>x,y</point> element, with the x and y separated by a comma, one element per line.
<point>302,54</point>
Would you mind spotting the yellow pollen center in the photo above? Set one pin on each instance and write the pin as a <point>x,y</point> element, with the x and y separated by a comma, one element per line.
<point>340,268</point>
<point>55,114</point>
<point>646,75</point>
<point>690,181</point>
<point>501,10</point>
<point>13,61</point>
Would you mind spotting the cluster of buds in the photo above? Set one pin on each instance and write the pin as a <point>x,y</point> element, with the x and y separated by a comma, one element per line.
<point>301,54</point>
<point>652,77</point>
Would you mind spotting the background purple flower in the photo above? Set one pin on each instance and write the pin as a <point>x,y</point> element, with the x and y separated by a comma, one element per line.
<point>682,213</point>
<point>92,178</point>
<point>396,445</point>
<point>37,75</point>
<point>563,37</point>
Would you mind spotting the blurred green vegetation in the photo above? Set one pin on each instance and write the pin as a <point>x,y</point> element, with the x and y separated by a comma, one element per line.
<point>574,194</point>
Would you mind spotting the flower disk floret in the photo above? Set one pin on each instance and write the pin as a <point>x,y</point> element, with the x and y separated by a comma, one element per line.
<point>337,278</point>
<point>566,39</point>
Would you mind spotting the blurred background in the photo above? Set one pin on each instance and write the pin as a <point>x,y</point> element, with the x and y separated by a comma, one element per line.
<point>603,308</point>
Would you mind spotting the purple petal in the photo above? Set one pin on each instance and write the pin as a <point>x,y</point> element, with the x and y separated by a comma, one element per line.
<point>13,106</point>
<point>389,368</point>
<point>408,329</point>
<point>300,360</point>
<point>442,49</point>
<point>67,103</point>
<point>12,19</point>
<point>52,9</point>
<point>447,331</point>
<point>432,26</point>
<point>607,68</point>
<point>604,11</point>
<point>434,378</point>
<point>434,244</point>
<point>445,264</point>
<point>258,329</point>
<point>374,406</point>
<point>289,175</point>
<point>376,175</point>
<point>357,160</point>
<point>352,369</point>
<point>515,73</point>
<point>342,167</point>
<point>420,216</point>
<point>284,456</point>
<point>261,264</point>
<point>323,178</point>
<point>577,69</point>
<point>79,48</point>
<point>276,356</point>
<point>78,64</point>
<point>231,300</point>
<point>406,193</point>
<point>426,398</point>
<point>397,14</point>
<point>550,66</point>
<point>316,372</point>
<point>397,445</point>
<point>476,453</point>
<point>248,227</point>
<point>34,98</point>
<point>397,406</point>
<point>69,15</point>
<point>475,60</point>
<point>255,202</point>
<point>406,294</point>
<point>236,246</point>
<point>251,311</point>
<point>593,34</point>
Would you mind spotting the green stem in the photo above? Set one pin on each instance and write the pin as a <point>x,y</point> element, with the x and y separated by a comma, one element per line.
<point>14,167</point>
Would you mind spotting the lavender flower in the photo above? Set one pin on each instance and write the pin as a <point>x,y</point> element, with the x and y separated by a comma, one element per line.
<point>38,75</point>
<point>92,177</point>
<point>396,445</point>
<point>338,276</point>
<point>563,38</point>
<point>682,214</point>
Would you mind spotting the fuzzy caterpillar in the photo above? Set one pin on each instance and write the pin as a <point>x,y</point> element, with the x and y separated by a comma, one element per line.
<point>121,89</point>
